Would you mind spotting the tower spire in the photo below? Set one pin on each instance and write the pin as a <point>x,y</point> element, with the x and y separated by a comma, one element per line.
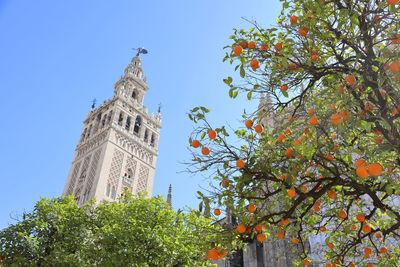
<point>169,197</point>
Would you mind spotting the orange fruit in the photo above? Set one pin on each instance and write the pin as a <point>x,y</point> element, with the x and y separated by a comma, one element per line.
<point>375,169</point>
<point>241,229</point>
<point>336,119</point>
<point>303,31</point>
<point>243,44</point>
<point>264,47</point>
<point>281,235</point>
<point>212,134</point>
<point>288,131</point>
<point>285,87</point>
<point>285,222</point>
<point>258,128</point>
<point>378,235</point>
<point>293,67</point>
<point>313,121</point>
<point>383,250</point>
<point>331,245</point>
<point>297,142</point>
<point>331,194</point>
<point>249,123</point>
<point>295,241</point>
<point>205,151</point>
<point>360,217</point>
<point>306,131</point>
<point>291,193</point>
<point>278,47</point>
<point>329,157</point>
<point>342,214</point>
<point>240,163</point>
<point>368,250</point>
<point>392,2</point>
<point>396,39</point>
<point>395,67</point>
<point>281,138</point>
<point>322,228</point>
<point>238,50</point>
<point>258,228</point>
<point>304,187</point>
<point>335,147</point>
<point>225,183</point>
<point>289,152</point>
<point>350,80</point>
<point>293,19</point>
<point>195,143</point>
<point>260,237</point>
<point>360,163</point>
<point>366,228</point>
<point>291,119</point>
<point>254,64</point>
<point>217,212</point>
<point>353,227</point>
<point>378,140</point>
<point>341,89</point>
<point>310,112</point>
<point>362,172</point>
<point>251,45</point>
<point>306,262</point>
<point>251,208</point>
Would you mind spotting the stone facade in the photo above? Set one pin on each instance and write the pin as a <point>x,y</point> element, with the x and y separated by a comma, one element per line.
<point>118,147</point>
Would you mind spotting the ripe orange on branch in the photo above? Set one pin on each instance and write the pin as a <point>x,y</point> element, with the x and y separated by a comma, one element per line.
<point>195,143</point>
<point>258,128</point>
<point>212,134</point>
<point>254,64</point>
<point>375,169</point>
<point>392,2</point>
<point>251,45</point>
<point>350,80</point>
<point>293,19</point>
<point>240,163</point>
<point>237,50</point>
<point>251,208</point>
<point>313,121</point>
<point>205,151</point>
<point>249,123</point>
<point>217,212</point>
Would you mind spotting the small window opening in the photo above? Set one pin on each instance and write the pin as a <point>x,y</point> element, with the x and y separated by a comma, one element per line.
<point>128,123</point>
<point>120,119</point>
<point>138,123</point>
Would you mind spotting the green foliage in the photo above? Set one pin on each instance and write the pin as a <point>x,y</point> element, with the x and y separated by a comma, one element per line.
<point>131,232</point>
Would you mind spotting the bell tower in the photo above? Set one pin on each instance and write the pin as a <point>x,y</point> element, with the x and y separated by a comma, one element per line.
<point>118,146</point>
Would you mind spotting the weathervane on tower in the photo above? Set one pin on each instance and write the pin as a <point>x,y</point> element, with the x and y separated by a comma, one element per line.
<point>140,50</point>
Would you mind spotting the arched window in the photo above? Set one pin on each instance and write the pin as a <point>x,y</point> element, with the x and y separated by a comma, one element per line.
<point>134,94</point>
<point>128,123</point>
<point>138,123</point>
<point>146,135</point>
<point>109,117</point>
<point>152,140</point>
<point>121,118</point>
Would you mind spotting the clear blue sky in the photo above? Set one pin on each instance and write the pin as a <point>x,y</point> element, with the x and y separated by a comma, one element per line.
<point>56,56</point>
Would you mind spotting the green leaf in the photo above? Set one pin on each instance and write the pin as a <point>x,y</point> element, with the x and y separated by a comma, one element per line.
<point>242,72</point>
<point>249,95</point>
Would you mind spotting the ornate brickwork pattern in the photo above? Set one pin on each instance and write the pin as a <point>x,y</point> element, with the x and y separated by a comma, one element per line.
<point>92,173</point>
<point>142,180</point>
<point>73,178</point>
<point>115,169</point>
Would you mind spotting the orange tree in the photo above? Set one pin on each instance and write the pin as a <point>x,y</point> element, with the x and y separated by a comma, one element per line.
<point>329,166</point>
